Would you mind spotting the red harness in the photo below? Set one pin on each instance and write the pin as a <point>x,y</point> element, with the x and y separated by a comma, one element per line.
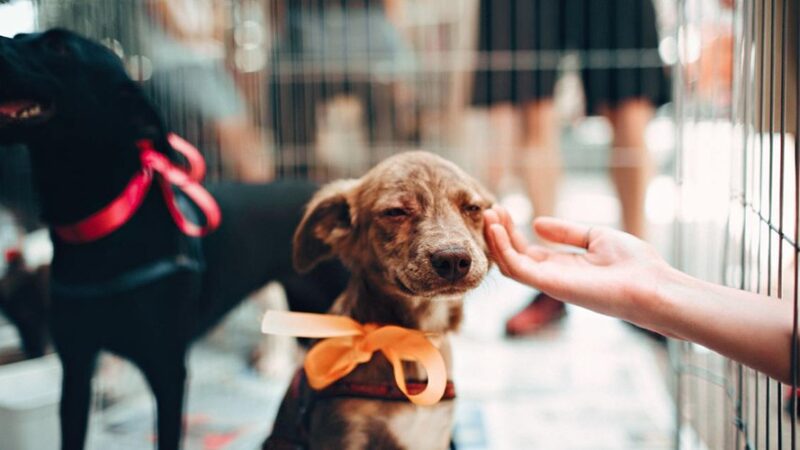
<point>296,437</point>
<point>154,165</point>
<point>380,391</point>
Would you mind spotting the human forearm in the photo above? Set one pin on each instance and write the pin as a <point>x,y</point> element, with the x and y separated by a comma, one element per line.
<point>619,275</point>
<point>753,329</point>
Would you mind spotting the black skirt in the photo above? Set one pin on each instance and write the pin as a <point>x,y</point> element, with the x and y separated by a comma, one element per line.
<point>521,43</point>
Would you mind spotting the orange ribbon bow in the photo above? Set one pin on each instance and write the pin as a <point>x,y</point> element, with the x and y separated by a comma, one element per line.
<point>349,343</point>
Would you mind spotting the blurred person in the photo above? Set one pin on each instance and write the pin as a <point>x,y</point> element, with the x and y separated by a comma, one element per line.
<point>521,42</point>
<point>185,40</point>
<point>175,48</point>
<point>333,48</point>
<point>619,275</point>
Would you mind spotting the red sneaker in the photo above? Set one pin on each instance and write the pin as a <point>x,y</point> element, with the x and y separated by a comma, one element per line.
<point>790,398</point>
<point>540,312</point>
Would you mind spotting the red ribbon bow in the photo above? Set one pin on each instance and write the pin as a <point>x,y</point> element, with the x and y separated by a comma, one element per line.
<point>154,165</point>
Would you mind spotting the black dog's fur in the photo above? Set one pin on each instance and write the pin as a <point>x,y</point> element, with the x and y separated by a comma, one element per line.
<point>83,154</point>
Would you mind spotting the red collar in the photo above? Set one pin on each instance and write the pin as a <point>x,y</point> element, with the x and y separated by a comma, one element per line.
<point>380,391</point>
<point>154,165</point>
<point>361,389</point>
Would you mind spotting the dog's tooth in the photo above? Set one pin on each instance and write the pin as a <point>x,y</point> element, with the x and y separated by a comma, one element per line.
<point>27,113</point>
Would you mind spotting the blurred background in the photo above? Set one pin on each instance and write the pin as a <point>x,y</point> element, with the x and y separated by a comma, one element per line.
<point>674,120</point>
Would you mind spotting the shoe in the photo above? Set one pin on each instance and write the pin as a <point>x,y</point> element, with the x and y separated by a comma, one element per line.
<point>656,337</point>
<point>543,310</point>
<point>790,400</point>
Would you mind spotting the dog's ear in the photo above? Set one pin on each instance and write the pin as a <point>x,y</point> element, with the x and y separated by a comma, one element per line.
<point>326,225</point>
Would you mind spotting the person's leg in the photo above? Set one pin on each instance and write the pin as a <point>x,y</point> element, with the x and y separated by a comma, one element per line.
<point>541,161</point>
<point>502,134</point>
<point>206,92</point>
<point>630,162</point>
<point>630,165</point>
<point>541,171</point>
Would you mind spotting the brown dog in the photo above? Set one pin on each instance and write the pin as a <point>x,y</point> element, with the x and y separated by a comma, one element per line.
<point>410,231</point>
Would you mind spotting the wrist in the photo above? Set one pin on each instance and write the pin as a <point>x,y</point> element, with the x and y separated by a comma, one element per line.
<point>659,302</point>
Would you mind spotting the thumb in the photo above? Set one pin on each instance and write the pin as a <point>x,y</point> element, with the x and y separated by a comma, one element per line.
<point>562,231</point>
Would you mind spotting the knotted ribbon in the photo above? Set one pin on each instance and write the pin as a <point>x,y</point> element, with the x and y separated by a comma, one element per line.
<point>155,165</point>
<point>347,344</point>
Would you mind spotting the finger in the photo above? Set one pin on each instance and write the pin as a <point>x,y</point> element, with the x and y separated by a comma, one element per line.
<point>505,217</point>
<point>498,211</point>
<point>538,253</point>
<point>518,239</point>
<point>490,217</point>
<point>517,266</point>
<point>494,249</point>
<point>562,231</point>
<point>499,237</point>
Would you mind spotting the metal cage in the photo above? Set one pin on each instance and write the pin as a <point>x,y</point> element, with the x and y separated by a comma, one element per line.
<point>736,115</point>
<point>374,78</point>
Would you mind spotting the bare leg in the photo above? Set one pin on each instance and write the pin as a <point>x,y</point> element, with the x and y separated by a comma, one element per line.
<point>541,161</point>
<point>630,161</point>
<point>244,151</point>
<point>541,170</point>
<point>503,136</point>
<point>630,166</point>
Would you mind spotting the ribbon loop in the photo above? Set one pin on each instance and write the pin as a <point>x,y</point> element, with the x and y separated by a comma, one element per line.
<point>350,343</point>
<point>117,213</point>
<point>197,164</point>
<point>170,176</point>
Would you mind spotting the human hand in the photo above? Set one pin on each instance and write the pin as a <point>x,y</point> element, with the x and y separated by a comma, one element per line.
<point>616,274</point>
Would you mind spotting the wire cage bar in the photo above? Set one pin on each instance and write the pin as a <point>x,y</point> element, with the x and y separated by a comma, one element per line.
<point>323,89</point>
<point>745,53</point>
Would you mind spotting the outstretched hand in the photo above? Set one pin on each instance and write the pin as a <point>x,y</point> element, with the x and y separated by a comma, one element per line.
<point>607,271</point>
<point>614,273</point>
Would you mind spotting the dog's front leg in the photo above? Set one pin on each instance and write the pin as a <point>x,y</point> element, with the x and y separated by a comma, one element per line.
<point>168,382</point>
<point>76,391</point>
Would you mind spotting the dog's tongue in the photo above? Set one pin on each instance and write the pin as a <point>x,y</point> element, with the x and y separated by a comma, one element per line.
<point>12,107</point>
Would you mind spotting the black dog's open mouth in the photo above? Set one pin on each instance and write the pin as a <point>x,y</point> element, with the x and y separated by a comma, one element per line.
<point>24,111</point>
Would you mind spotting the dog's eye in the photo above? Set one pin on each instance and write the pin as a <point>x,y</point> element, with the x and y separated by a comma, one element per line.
<point>395,212</point>
<point>473,208</point>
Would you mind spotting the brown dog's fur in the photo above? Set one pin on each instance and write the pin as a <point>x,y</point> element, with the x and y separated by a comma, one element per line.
<point>387,227</point>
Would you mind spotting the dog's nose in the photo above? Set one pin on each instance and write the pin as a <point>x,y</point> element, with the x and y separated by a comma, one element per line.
<point>452,264</point>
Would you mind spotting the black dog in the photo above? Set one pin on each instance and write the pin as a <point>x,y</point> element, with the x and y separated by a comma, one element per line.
<point>70,100</point>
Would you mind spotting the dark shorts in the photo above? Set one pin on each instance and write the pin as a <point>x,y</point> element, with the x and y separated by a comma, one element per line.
<point>521,43</point>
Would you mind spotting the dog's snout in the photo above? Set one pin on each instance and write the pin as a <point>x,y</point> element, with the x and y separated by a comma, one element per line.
<point>451,263</point>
